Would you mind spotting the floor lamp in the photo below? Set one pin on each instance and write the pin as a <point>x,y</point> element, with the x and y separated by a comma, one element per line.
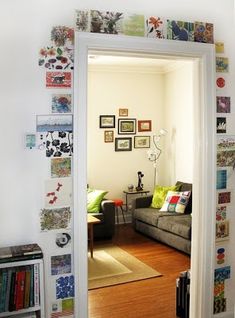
<point>155,152</point>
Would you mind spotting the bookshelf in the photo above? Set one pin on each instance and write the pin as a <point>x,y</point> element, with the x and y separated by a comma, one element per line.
<point>22,288</point>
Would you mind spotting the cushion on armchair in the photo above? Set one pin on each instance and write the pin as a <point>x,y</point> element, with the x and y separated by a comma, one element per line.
<point>94,199</point>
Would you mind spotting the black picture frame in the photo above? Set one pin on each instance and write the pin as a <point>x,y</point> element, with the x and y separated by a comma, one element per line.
<point>123,144</point>
<point>126,126</point>
<point>107,121</point>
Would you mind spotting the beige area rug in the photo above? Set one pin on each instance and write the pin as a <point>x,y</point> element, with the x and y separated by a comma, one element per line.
<point>111,265</point>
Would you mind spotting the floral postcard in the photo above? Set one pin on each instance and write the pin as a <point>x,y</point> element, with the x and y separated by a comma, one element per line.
<point>226,151</point>
<point>223,104</point>
<point>82,21</point>
<point>54,122</point>
<point>61,103</point>
<point>155,27</point>
<point>221,64</point>
<point>58,192</point>
<point>203,32</point>
<point>133,24</point>
<point>221,212</point>
<point>65,287</point>
<point>60,167</point>
<point>61,34</point>
<point>56,58</point>
<point>180,30</point>
<point>61,264</point>
<point>106,22</point>
<point>54,219</point>
<point>59,144</point>
<point>224,197</point>
<point>222,230</point>
<point>58,79</point>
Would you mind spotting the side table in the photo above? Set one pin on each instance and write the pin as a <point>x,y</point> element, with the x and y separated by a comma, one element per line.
<point>127,193</point>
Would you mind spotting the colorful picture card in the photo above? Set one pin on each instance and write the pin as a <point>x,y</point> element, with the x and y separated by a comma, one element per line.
<point>62,308</point>
<point>203,32</point>
<point>221,125</point>
<point>226,151</point>
<point>223,104</point>
<point>58,79</point>
<point>222,64</point>
<point>61,264</point>
<point>60,167</point>
<point>54,219</point>
<point>180,30</point>
<point>59,144</point>
<point>58,192</point>
<point>61,103</point>
<point>65,287</point>
<point>222,273</point>
<point>155,27</point>
<point>62,122</point>
<point>222,230</point>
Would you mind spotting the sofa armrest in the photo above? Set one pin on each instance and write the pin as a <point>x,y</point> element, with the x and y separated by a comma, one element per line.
<point>143,202</point>
<point>108,209</point>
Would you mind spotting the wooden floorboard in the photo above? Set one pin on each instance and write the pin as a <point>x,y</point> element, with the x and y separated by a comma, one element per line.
<point>150,298</point>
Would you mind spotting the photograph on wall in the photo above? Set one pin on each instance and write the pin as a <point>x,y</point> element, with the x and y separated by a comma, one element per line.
<point>60,167</point>
<point>221,125</point>
<point>65,287</point>
<point>123,112</point>
<point>126,126</point>
<point>223,104</point>
<point>220,255</point>
<point>30,141</point>
<point>203,32</point>
<point>62,122</point>
<point>54,219</point>
<point>107,121</point>
<point>56,58</point>
<point>219,47</point>
<point>58,192</point>
<point>106,22</point>
<point>62,35</point>
<point>82,21</point>
<point>141,141</point>
<point>155,27</point>
<point>123,144</point>
<point>58,79</point>
<point>133,24</point>
<point>61,103</point>
<point>222,64</point>
<point>63,239</point>
<point>180,30</point>
<point>221,212</point>
<point>59,144</point>
<point>222,230</point>
<point>61,264</point>
<point>108,136</point>
<point>226,151</point>
<point>144,125</point>
<point>62,308</point>
<point>223,197</point>
<point>221,179</point>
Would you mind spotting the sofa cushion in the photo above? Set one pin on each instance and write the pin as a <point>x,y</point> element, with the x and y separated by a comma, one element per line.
<point>94,198</point>
<point>176,201</point>
<point>179,224</point>
<point>159,195</point>
<point>186,187</point>
<point>149,215</point>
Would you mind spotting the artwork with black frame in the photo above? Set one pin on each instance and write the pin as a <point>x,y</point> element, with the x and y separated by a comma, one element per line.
<point>142,141</point>
<point>126,126</point>
<point>107,121</point>
<point>123,144</point>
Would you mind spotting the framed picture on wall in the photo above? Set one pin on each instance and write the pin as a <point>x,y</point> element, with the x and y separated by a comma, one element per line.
<point>144,125</point>
<point>107,121</point>
<point>123,144</point>
<point>108,136</point>
<point>126,126</point>
<point>123,112</point>
<point>142,141</point>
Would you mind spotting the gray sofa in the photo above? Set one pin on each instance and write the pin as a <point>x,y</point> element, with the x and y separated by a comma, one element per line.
<point>171,228</point>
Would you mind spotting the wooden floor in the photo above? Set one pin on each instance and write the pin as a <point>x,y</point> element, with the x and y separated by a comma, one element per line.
<point>148,298</point>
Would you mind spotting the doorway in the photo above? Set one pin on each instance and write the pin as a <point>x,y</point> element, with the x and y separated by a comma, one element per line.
<point>204,166</point>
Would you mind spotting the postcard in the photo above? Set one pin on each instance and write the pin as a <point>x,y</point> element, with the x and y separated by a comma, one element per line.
<point>61,103</point>
<point>221,179</point>
<point>59,144</point>
<point>222,64</point>
<point>222,273</point>
<point>63,122</point>
<point>133,24</point>
<point>60,167</point>
<point>30,141</point>
<point>58,192</point>
<point>57,58</point>
<point>224,197</point>
<point>221,125</point>
<point>180,30</point>
<point>204,32</point>
<point>106,22</point>
<point>220,255</point>
<point>61,264</point>
<point>62,308</point>
<point>54,219</point>
<point>65,287</point>
<point>155,27</point>
<point>82,21</point>
<point>58,79</point>
<point>61,34</point>
<point>219,47</point>
<point>221,213</point>
<point>226,151</point>
<point>223,104</point>
<point>222,230</point>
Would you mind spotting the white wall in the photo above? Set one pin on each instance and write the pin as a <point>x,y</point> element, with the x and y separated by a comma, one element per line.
<point>25,27</point>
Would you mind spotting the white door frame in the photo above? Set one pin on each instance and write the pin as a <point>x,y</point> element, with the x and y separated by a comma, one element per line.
<point>204,190</point>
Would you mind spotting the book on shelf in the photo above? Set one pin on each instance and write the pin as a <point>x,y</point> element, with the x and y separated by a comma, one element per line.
<point>36,285</point>
<point>20,252</point>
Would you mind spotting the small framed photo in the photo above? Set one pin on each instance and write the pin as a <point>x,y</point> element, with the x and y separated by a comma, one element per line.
<point>142,141</point>
<point>144,125</point>
<point>123,144</point>
<point>126,126</point>
<point>108,136</point>
<point>123,112</point>
<point>107,121</point>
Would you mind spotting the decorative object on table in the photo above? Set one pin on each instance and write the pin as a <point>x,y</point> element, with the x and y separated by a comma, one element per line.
<point>144,125</point>
<point>155,152</point>
<point>108,136</point>
<point>130,187</point>
<point>126,126</point>
<point>107,121</point>
<point>123,144</point>
<point>142,141</point>
<point>123,112</point>
<point>140,184</point>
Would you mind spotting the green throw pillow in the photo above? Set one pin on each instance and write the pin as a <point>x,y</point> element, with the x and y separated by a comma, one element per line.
<point>159,195</point>
<point>94,198</point>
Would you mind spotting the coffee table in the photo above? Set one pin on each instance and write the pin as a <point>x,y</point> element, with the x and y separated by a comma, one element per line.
<point>91,220</point>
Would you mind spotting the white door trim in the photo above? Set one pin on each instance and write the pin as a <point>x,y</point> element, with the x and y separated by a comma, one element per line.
<point>204,190</point>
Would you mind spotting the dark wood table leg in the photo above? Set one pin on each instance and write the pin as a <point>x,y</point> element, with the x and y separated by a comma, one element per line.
<point>91,239</point>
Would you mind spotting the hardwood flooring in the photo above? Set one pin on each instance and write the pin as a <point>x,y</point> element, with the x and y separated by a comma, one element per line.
<point>148,298</point>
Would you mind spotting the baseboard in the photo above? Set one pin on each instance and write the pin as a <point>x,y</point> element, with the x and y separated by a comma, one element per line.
<point>229,314</point>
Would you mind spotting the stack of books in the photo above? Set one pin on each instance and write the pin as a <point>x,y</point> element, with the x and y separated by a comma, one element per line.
<point>20,253</point>
<point>183,294</point>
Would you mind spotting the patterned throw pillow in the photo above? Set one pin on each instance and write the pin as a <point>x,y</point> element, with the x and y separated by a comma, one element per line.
<point>160,193</point>
<point>176,201</point>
